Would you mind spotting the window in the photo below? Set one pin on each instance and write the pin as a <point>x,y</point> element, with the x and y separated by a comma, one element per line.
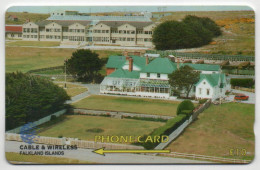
<point>199,90</point>
<point>194,88</point>
<point>158,75</point>
<point>208,90</point>
<point>147,74</point>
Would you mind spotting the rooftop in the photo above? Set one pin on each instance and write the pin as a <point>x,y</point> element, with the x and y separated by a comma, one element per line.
<point>120,73</point>
<point>160,65</point>
<point>213,79</point>
<point>118,61</point>
<point>99,18</point>
<point>14,28</point>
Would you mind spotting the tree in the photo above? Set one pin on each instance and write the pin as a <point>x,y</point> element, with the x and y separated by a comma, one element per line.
<point>84,64</point>
<point>191,32</point>
<point>29,98</point>
<point>184,79</point>
<point>206,22</point>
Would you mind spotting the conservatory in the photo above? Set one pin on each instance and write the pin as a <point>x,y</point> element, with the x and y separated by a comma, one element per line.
<point>136,87</point>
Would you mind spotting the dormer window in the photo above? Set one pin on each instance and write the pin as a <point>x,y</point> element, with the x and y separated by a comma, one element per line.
<point>147,74</point>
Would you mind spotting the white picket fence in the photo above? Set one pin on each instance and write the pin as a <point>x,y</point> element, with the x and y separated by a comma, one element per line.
<point>38,122</point>
<point>205,157</point>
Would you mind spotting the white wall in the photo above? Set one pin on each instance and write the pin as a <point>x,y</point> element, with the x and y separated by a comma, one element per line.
<point>154,76</point>
<point>204,85</point>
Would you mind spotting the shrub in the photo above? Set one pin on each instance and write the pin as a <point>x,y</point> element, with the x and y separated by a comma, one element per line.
<point>185,105</point>
<point>249,83</point>
<point>167,129</point>
<point>202,101</point>
<point>186,112</point>
<point>60,136</point>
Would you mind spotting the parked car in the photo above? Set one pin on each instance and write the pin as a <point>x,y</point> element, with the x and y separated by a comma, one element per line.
<point>241,97</point>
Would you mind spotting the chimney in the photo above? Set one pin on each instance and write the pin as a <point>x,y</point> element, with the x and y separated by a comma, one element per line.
<point>130,64</point>
<point>126,55</point>
<point>147,60</point>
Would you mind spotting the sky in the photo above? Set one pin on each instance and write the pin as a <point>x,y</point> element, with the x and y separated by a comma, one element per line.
<point>87,9</point>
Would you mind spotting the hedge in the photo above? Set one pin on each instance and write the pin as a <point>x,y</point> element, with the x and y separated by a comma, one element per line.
<point>167,129</point>
<point>249,83</point>
<point>202,101</point>
<point>185,105</point>
<point>145,118</point>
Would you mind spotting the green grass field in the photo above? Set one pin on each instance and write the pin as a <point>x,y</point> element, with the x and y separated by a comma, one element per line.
<point>16,158</point>
<point>28,58</point>
<point>218,130</point>
<point>33,43</point>
<point>111,126</point>
<point>128,104</point>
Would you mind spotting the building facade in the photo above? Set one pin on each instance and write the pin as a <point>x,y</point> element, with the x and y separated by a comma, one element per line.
<point>13,31</point>
<point>91,30</point>
<point>141,76</point>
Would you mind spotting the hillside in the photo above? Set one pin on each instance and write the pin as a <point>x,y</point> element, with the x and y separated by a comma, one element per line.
<point>23,16</point>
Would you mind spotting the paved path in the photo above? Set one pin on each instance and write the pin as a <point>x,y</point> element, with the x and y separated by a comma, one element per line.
<point>92,89</point>
<point>251,99</point>
<point>115,158</point>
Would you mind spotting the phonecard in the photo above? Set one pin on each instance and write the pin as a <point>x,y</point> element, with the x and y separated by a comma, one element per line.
<point>130,84</point>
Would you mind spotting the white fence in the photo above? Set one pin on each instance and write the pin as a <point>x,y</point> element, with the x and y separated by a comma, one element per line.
<point>174,134</point>
<point>178,131</point>
<point>204,157</point>
<point>71,141</point>
<point>39,122</point>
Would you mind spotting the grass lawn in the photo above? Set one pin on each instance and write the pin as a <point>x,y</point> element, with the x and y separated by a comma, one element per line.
<point>10,156</point>
<point>219,129</point>
<point>34,43</point>
<point>111,126</point>
<point>129,104</point>
<point>28,58</point>
<point>73,89</point>
<point>51,72</point>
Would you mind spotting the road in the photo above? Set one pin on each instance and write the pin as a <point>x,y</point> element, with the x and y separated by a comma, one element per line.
<point>251,99</point>
<point>92,89</point>
<point>112,158</point>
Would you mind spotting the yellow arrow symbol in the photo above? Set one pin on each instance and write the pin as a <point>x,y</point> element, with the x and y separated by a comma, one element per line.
<point>101,151</point>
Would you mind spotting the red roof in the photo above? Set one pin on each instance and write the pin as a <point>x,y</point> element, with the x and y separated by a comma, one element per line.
<point>13,28</point>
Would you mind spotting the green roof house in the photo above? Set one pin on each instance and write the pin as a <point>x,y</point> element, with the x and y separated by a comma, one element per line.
<point>141,76</point>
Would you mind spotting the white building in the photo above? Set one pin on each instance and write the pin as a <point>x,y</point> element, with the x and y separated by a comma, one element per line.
<point>138,76</point>
<point>115,30</point>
